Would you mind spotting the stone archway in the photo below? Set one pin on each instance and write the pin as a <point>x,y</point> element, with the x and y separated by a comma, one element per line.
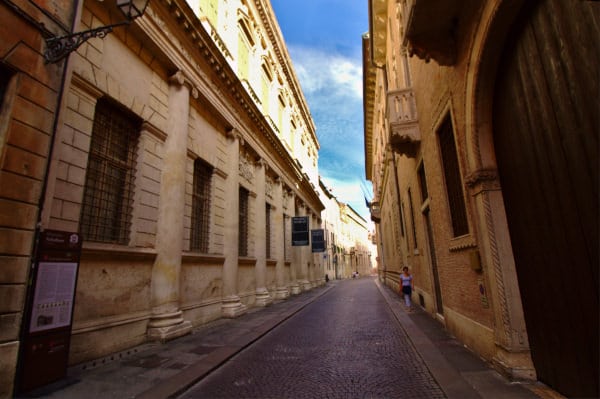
<point>512,346</point>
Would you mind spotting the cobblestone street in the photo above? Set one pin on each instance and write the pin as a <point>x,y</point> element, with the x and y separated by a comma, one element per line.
<point>346,344</point>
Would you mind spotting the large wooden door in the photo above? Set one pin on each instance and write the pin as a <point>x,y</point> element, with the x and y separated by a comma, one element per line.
<point>546,112</point>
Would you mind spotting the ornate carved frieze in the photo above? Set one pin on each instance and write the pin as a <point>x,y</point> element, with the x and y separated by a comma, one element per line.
<point>269,184</point>
<point>246,168</point>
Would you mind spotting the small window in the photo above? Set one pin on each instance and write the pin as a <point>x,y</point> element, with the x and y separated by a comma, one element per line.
<point>108,193</point>
<point>243,222</point>
<point>201,206</point>
<point>423,183</point>
<point>456,200</point>
<point>412,219</point>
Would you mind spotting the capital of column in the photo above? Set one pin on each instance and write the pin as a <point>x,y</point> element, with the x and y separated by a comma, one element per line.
<point>483,180</point>
<point>234,134</point>
<point>179,78</point>
<point>261,163</point>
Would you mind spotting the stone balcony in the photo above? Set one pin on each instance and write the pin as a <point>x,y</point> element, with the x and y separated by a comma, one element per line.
<point>404,135</point>
<point>375,211</point>
<point>430,27</point>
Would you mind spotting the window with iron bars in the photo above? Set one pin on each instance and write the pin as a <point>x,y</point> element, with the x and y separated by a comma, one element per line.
<point>243,222</point>
<point>268,230</point>
<point>199,238</point>
<point>456,200</point>
<point>108,193</point>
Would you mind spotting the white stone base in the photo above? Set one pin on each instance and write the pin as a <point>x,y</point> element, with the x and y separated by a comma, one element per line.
<point>282,293</point>
<point>232,307</point>
<point>517,366</point>
<point>263,298</point>
<point>168,333</point>
<point>295,289</point>
<point>306,285</point>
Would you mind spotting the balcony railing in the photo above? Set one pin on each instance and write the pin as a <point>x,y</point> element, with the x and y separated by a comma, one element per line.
<point>405,135</point>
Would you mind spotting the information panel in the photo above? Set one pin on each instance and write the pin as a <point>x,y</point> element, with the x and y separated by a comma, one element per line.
<point>300,231</point>
<point>53,298</point>
<point>44,354</point>
<point>317,238</point>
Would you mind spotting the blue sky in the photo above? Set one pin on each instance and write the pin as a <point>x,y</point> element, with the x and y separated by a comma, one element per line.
<point>323,38</point>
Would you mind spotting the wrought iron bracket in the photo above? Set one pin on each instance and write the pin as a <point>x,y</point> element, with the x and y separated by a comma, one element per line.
<point>58,48</point>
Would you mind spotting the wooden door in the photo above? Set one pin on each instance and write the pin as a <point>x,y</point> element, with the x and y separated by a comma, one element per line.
<point>546,112</point>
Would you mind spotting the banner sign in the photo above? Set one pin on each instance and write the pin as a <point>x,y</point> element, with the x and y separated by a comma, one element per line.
<point>317,238</point>
<point>299,231</point>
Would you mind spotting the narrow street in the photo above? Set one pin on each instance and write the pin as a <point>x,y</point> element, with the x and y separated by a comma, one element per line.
<point>346,344</point>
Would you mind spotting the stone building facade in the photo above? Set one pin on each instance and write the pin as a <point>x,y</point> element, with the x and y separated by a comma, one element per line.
<point>182,149</point>
<point>30,93</point>
<point>482,146</point>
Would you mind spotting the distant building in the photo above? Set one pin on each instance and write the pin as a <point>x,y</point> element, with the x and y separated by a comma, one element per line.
<point>349,247</point>
<point>481,141</point>
<point>182,149</point>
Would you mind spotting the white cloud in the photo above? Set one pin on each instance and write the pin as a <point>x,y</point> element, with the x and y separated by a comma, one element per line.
<point>319,71</point>
<point>332,85</point>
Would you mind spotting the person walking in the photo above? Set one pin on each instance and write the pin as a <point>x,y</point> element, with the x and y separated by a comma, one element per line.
<point>407,286</point>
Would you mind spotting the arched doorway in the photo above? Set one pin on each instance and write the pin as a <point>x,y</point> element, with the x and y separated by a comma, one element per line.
<point>545,120</point>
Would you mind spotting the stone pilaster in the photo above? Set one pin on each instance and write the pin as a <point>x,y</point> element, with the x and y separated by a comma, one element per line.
<point>231,305</point>
<point>166,321</point>
<point>278,226</point>
<point>304,257</point>
<point>295,286</point>
<point>263,298</point>
<point>512,344</point>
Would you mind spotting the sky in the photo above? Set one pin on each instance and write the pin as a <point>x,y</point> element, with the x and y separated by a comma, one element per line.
<point>324,39</point>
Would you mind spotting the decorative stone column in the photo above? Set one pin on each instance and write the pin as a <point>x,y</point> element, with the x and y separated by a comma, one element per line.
<point>262,294</point>
<point>295,286</point>
<point>304,257</point>
<point>512,344</point>
<point>166,321</point>
<point>231,306</point>
<point>282,291</point>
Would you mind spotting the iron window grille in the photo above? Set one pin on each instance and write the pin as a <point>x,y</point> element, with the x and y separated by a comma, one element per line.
<point>199,239</point>
<point>109,184</point>
<point>456,200</point>
<point>243,222</point>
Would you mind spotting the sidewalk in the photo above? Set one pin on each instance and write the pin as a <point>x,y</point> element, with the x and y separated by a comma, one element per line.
<point>459,372</point>
<point>163,370</point>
